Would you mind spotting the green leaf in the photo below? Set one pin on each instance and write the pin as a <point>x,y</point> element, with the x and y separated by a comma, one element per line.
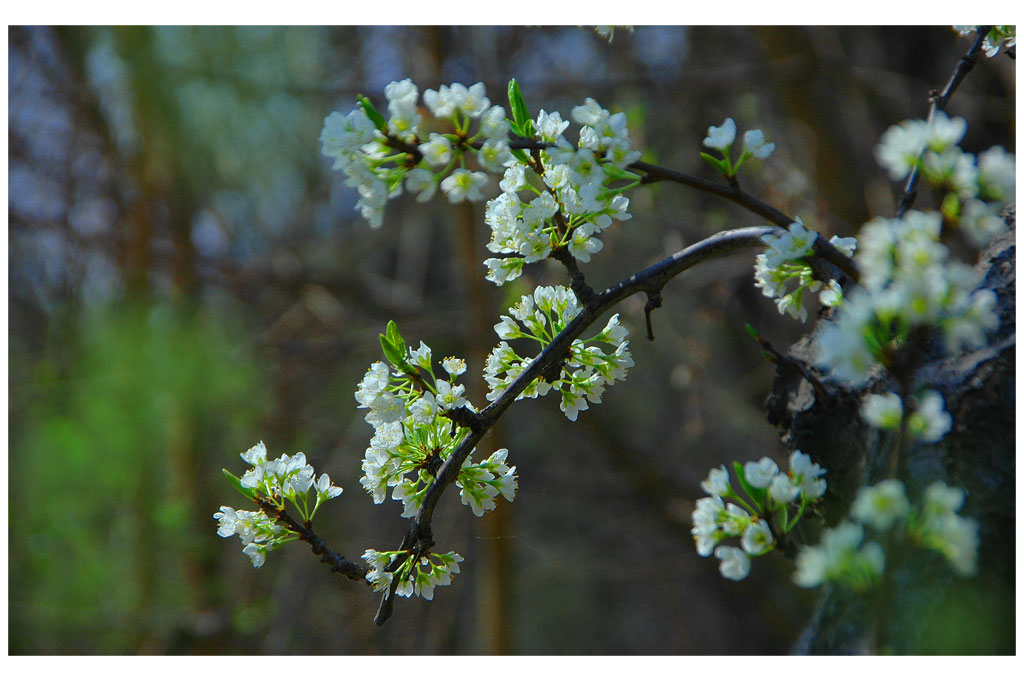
<point>395,337</point>
<point>234,480</point>
<point>521,156</point>
<point>520,114</point>
<point>753,333</point>
<point>372,112</point>
<point>390,351</point>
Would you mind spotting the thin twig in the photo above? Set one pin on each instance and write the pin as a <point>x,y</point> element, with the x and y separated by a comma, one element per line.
<point>338,563</point>
<point>938,103</point>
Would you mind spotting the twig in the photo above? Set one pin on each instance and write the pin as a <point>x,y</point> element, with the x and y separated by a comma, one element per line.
<point>777,357</point>
<point>338,563</point>
<point>938,103</point>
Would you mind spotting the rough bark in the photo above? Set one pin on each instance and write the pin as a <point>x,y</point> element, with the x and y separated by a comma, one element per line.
<point>922,607</point>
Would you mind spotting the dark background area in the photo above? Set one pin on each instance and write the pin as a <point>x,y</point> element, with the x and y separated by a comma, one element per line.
<point>187,277</point>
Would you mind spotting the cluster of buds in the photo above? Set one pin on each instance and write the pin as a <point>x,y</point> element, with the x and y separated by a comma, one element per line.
<point>271,483</point>
<point>770,497</point>
<point>845,557</point>
<point>415,576</point>
<point>410,409</point>
<point>784,262</point>
<point>587,370</point>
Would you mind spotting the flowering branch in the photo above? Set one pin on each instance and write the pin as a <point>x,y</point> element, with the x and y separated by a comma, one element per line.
<point>419,538</point>
<point>938,103</point>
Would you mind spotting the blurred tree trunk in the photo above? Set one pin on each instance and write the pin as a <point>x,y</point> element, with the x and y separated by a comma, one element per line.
<point>922,607</point>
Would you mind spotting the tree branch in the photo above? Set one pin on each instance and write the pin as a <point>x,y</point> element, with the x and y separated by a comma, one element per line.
<point>338,563</point>
<point>938,103</point>
<point>418,537</point>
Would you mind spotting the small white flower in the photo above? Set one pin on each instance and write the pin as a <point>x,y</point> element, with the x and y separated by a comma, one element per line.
<point>882,505</point>
<point>454,366</point>
<point>437,150</point>
<point>760,474</point>
<point>929,422</point>
<point>493,124</point>
<point>324,488</point>
<point>806,475</point>
<point>735,563</point>
<point>782,489</point>
<point>812,566</point>
<point>256,454</point>
<point>449,396</point>
<point>500,270</point>
<point>735,520</point>
<point>463,185</point>
<point>386,408</point>
<point>757,538</point>
<point>421,356</point>
<point>997,174</point>
<point>507,328</point>
<point>721,137</point>
<point>943,132</point>
<point>882,411</point>
<point>424,409</point>
<point>717,482</point>
<point>831,295</point>
<point>256,552</point>
<point>228,519</point>
<point>550,125</point>
<point>420,181</point>
<point>514,178</point>
<point>753,141</point>
<point>901,147</point>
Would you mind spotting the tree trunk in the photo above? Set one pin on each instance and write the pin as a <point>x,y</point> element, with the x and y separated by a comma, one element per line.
<point>922,607</point>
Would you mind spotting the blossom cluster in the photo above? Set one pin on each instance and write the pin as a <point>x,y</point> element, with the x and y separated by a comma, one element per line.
<point>586,371</point>
<point>844,557</point>
<point>274,481</point>
<point>784,262</point>
<point>770,496</point>
<point>908,280</point>
<point>568,199</point>
<point>414,576</point>
<point>977,188</point>
<point>721,138</point>
<point>381,156</point>
<point>409,407</point>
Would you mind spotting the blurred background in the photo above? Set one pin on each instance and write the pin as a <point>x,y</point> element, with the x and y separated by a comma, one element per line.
<point>187,277</point>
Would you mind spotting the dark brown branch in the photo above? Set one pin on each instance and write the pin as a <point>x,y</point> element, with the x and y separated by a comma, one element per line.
<point>938,103</point>
<point>731,191</point>
<point>338,563</point>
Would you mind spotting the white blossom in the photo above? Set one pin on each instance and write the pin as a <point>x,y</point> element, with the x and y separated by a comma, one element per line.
<point>717,482</point>
<point>754,142</point>
<point>930,421</point>
<point>882,505</point>
<point>735,563</point>
<point>721,137</point>
<point>883,411</point>
<point>759,474</point>
<point>464,185</point>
